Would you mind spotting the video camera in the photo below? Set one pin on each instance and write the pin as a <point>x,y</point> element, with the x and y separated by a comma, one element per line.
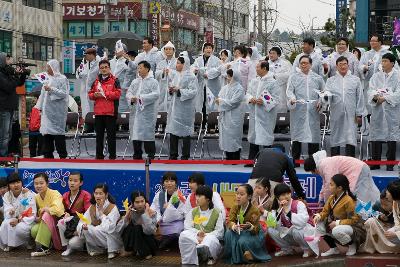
<point>23,67</point>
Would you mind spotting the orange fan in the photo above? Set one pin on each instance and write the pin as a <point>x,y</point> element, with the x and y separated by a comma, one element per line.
<point>27,213</point>
<point>181,197</point>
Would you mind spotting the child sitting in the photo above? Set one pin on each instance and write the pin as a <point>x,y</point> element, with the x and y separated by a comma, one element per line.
<point>338,220</point>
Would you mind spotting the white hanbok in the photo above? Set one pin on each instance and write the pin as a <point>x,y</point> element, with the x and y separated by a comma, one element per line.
<point>216,200</point>
<point>189,245</point>
<point>290,237</point>
<point>105,235</point>
<point>13,208</point>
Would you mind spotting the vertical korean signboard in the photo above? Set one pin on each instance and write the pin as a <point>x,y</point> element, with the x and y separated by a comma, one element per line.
<point>69,57</point>
<point>341,21</point>
<point>154,21</point>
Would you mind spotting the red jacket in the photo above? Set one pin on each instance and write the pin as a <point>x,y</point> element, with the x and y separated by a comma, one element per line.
<point>34,120</point>
<point>112,91</point>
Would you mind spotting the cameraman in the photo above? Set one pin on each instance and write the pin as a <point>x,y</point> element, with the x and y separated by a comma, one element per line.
<point>10,78</point>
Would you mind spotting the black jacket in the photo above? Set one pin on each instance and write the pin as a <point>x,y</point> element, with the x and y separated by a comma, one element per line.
<point>272,164</point>
<point>9,81</point>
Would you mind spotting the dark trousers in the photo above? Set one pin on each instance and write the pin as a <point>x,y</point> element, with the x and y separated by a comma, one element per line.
<point>149,148</point>
<point>233,155</point>
<point>35,144</point>
<point>254,149</point>
<point>173,147</point>
<point>376,147</point>
<point>296,149</point>
<point>349,150</point>
<point>136,241</point>
<point>101,124</point>
<point>48,146</point>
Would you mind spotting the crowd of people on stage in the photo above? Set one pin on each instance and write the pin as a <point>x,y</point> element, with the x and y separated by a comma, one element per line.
<point>267,216</point>
<point>359,88</point>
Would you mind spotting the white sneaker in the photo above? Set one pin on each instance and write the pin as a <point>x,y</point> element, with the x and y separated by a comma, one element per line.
<point>95,253</point>
<point>112,255</point>
<point>6,249</point>
<point>330,252</point>
<point>352,250</point>
<point>306,254</point>
<point>283,253</point>
<point>67,252</point>
<point>40,252</point>
<point>148,257</point>
<point>211,262</point>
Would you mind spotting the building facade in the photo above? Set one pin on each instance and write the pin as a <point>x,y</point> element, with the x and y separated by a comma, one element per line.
<point>31,30</point>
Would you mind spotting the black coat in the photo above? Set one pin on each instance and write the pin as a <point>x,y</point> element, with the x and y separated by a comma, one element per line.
<point>8,84</point>
<point>273,164</point>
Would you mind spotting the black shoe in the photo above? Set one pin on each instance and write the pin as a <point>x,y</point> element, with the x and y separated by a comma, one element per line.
<point>375,167</point>
<point>249,166</point>
<point>389,168</point>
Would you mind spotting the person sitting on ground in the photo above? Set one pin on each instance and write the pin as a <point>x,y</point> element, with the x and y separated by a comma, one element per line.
<point>338,221</point>
<point>99,225</point>
<point>19,215</point>
<point>195,180</point>
<point>49,210</point>
<point>140,226</point>
<point>293,221</point>
<point>204,228</point>
<point>244,240</point>
<point>75,200</point>
<point>377,226</point>
<point>169,205</point>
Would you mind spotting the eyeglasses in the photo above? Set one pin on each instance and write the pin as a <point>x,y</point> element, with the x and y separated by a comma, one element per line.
<point>104,67</point>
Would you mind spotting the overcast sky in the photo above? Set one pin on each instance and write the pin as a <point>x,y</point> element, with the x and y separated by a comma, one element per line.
<point>291,10</point>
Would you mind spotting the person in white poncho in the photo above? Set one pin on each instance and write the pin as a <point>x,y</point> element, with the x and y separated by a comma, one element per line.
<point>53,102</point>
<point>181,113</point>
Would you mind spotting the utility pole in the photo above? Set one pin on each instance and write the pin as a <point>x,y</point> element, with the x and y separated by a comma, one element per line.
<point>260,19</point>
<point>126,9</point>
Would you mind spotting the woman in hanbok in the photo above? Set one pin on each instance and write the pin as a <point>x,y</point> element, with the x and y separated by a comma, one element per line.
<point>75,200</point>
<point>170,209</point>
<point>195,180</point>
<point>19,215</point>
<point>262,199</point>
<point>244,240</point>
<point>231,116</point>
<point>99,224</point>
<point>140,226</point>
<point>293,222</point>
<point>49,209</point>
<point>338,221</point>
<point>376,227</point>
<point>204,228</point>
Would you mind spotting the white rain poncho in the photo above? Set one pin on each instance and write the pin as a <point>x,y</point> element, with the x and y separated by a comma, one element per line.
<point>119,69</point>
<point>143,116</point>
<point>304,117</point>
<point>281,70</point>
<point>165,79</point>
<point>373,60</point>
<point>212,82</point>
<point>353,63</point>
<point>231,115</point>
<point>385,123</point>
<point>182,110</point>
<point>245,69</point>
<point>54,103</point>
<point>262,117</point>
<point>317,67</point>
<point>87,75</point>
<point>347,102</point>
<point>131,74</point>
<point>153,57</point>
<point>223,66</point>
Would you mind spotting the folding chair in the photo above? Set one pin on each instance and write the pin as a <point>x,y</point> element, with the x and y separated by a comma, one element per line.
<point>324,126</point>
<point>89,121</point>
<point>161,124</point>
<point>364,134</point>
<point>210,131</point>
<point>198,130</point>
<point>246,122</point>
<point>122,125</point>
<point>72,123</point>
